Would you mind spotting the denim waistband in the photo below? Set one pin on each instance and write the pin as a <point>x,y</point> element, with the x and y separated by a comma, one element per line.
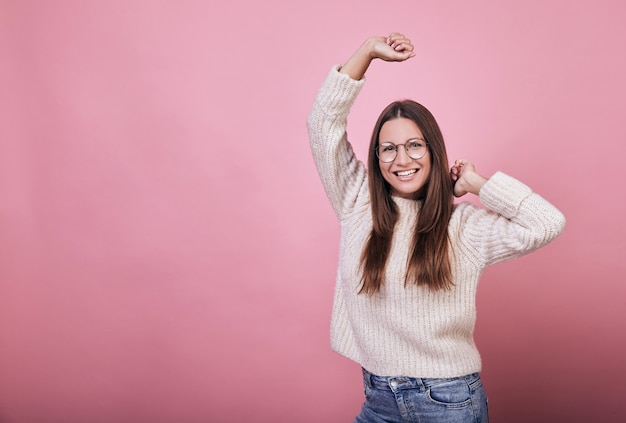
<point>405,382</point>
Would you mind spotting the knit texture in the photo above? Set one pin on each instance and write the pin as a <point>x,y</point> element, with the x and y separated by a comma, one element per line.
<point>411,330</point>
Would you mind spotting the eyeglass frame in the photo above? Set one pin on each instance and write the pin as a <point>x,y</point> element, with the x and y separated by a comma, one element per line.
<point>405,149</point>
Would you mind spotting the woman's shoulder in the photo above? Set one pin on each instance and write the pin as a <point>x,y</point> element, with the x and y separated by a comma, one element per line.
<point>464,207</point>
<point>463,212</point>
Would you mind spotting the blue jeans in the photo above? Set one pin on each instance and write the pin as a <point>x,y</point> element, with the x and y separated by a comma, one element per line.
<point>406,399</point>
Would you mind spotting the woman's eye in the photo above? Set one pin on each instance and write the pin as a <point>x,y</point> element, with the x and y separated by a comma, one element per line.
<point>388,148</point>
<point>415,144</point>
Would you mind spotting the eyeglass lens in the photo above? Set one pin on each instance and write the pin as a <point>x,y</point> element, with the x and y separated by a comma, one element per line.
<point>387,151</point>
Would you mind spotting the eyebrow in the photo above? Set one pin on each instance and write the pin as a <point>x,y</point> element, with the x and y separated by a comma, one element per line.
<point>410,139</point>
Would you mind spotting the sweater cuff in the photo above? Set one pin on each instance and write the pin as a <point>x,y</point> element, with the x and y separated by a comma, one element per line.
<point>338,91</point>
<point>504,194</point>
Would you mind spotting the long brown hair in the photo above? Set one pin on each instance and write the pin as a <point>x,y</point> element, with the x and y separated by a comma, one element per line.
<point>428,262</point>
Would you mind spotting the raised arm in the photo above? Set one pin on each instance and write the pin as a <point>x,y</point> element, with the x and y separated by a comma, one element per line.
<point>513,222</point>
<point>343,176</point>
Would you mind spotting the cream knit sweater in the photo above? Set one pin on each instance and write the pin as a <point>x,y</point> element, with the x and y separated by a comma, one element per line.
<point>410,330</point>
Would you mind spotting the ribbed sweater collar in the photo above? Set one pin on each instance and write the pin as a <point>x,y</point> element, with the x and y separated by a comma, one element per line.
<point>407,207</point>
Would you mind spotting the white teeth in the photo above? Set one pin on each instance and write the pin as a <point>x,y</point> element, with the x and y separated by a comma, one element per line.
<point>406,172</point>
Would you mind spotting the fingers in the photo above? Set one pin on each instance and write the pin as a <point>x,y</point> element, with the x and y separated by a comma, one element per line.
<point>455,174</point>
<point>460,165</point>
<point>401,44</point>
<point>395,39</point>
<point>455,171</point>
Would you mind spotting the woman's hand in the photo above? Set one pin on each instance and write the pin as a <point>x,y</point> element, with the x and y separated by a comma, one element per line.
<point>394,48</point>
<point>465,178</point>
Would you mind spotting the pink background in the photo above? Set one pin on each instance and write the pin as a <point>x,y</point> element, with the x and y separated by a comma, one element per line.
<point>167,253</point>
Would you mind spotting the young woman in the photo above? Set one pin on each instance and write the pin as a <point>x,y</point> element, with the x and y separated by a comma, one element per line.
<point>410,260</point>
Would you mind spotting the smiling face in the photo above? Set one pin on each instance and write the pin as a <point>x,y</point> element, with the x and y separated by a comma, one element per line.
<point>406,176</point>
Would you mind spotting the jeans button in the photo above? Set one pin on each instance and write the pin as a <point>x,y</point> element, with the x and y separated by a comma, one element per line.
<point>393,384</point>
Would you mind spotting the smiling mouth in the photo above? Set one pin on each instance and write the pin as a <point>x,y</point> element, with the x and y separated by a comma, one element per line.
<point>406,172</point>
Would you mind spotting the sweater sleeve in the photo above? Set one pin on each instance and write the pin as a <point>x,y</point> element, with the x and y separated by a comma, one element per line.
<point>343,176</point>
<point>514,222</point>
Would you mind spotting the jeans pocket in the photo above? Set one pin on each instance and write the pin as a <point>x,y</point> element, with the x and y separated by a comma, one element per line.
<point>452,393</point>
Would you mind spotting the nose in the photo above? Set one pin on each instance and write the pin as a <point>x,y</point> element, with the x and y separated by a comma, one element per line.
<point>402,157</point>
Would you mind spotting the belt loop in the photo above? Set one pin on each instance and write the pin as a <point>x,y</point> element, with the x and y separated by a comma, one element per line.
<point>367,377</point>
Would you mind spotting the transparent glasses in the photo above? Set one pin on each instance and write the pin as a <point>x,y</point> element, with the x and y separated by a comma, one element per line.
<point>415,149</point>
